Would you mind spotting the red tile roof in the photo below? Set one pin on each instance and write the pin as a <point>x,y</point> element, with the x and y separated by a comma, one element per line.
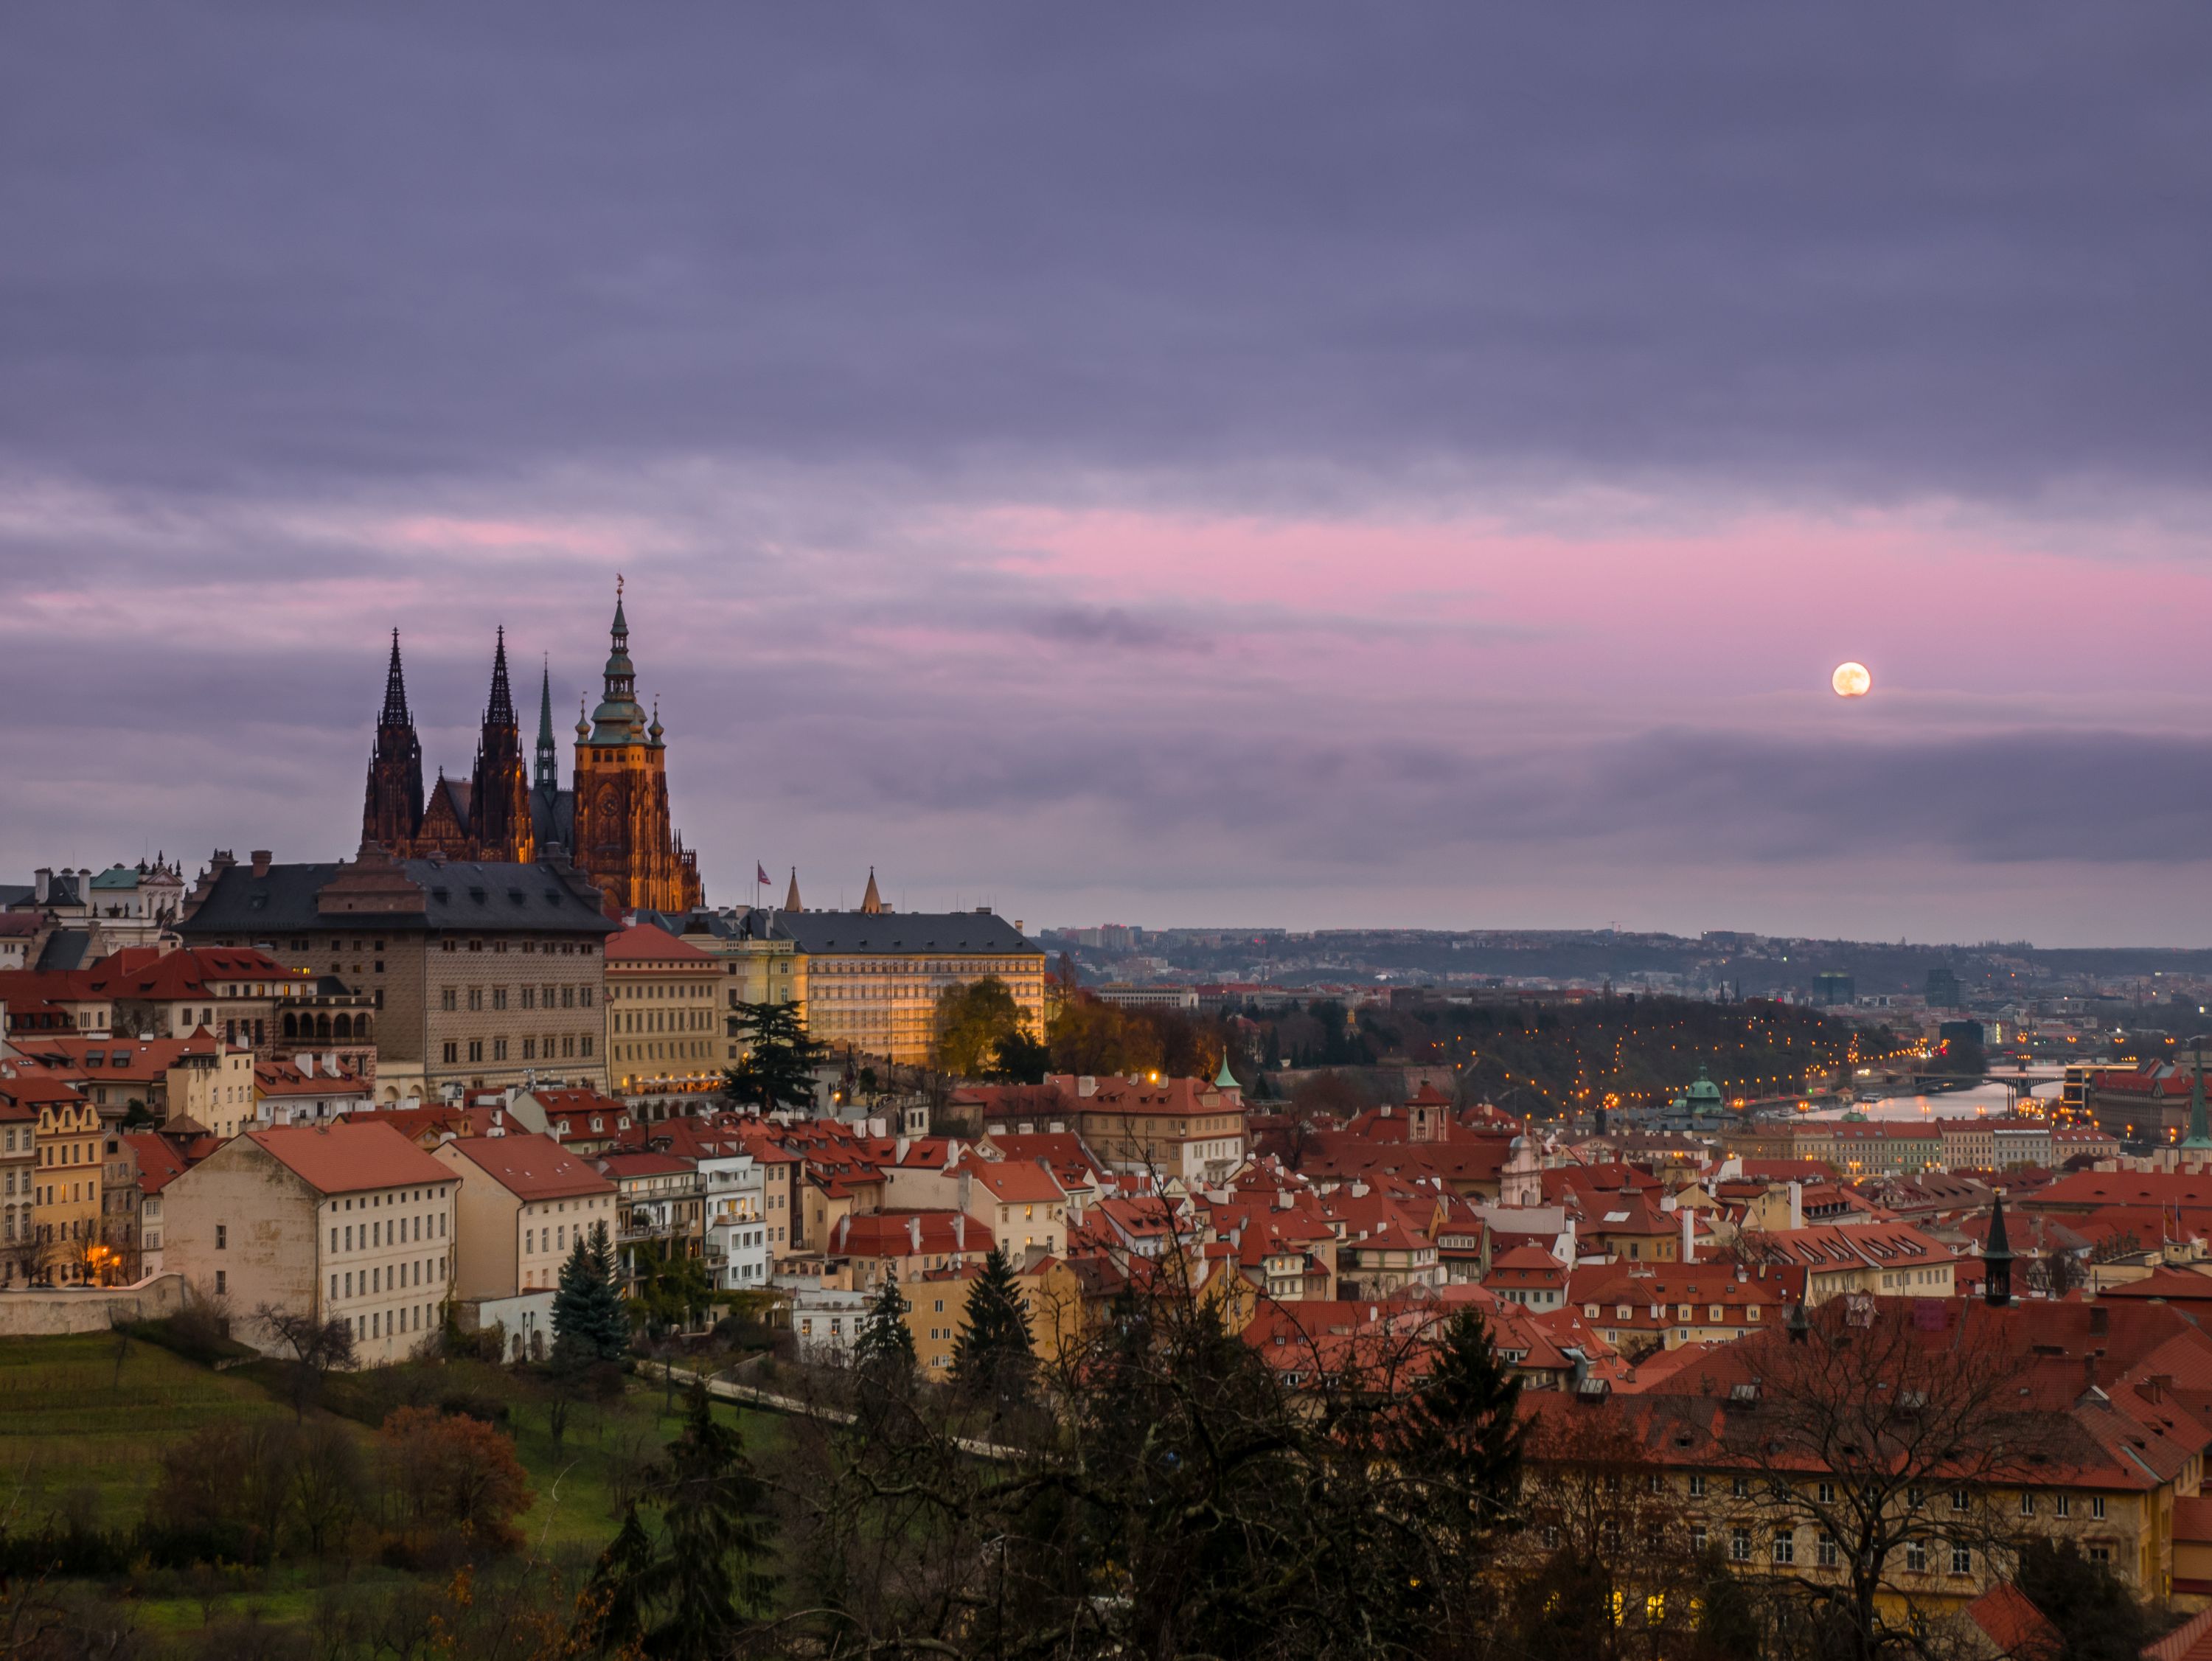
<point>531,1167</point>
<point>644,942</point>
<point>350,1157</point>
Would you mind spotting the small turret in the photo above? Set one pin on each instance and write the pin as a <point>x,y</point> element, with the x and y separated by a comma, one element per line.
<point>872,902</point>
<point>791,895</point>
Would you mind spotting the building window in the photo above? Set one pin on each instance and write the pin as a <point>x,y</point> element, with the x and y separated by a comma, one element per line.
<point>221,1282</point>
<point>475,1049</point>
<point>2097,1505</point>
<point>1959,1498</point>
<point>475,997</point>
<point>1698,1485</point>
<point>1740,1487</point>
<point>498,1049</point>
<point>222,1236</point>
<point>2027,1503</point>
<point>1824,1549</point>
<point>1962,1558</point>
<point>1916,1556</point>
<point>2100,1554</point>
<point>1739,1545</point>
<point>2064,1505</point>
<point>1828,1493</point>
<point>448,998</point>
<point>452,1051</point>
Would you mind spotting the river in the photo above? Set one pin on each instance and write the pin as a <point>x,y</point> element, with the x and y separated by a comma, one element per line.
<point>1988,1099</point>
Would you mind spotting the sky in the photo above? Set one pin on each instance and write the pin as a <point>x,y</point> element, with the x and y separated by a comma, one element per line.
<point>1307,466</point>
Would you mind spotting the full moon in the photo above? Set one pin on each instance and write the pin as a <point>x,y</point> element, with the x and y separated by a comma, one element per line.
<point>1852,681</point>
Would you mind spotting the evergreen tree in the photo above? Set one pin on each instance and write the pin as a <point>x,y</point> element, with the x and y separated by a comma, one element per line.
<point>779,1061</point>
<point>705,1579</point>
<point>614,1601</point>
<point>883,1351</point>
<point>588,1324</point>
<point>1460,1428</point>
<point>992,1359</point>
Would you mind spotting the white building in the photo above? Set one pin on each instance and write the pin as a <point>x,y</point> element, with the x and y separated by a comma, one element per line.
<point>738,1254</point>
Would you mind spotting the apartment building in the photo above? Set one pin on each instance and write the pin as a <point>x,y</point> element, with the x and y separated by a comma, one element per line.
<point>349,1222</point>
<point>523,1203</point>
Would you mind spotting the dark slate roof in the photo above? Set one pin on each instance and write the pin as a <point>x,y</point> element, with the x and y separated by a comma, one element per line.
<point>464,896</point>
<point>66,948</point>
<point>838,932</point>
<point>552,817</point>
<point>13,894</point>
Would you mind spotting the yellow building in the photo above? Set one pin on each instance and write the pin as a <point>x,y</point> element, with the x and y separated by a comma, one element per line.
<point>870,979</point>
<point>66,1191</point>
<point>662,1023</point>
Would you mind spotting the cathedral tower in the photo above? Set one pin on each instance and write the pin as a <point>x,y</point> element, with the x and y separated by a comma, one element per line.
<point>393,804</point>
<point>623,839</point>
<point>499,794</point>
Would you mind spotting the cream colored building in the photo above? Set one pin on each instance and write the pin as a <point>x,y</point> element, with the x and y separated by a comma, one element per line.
<point>212,1085</point>
<point>663,1023</point>
<point>867,981</point>
<point>525,1202</point>
<point>872,979</point>
<point>349,1221</point>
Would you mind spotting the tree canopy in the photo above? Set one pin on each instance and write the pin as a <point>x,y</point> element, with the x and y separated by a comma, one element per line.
<point>777,1068</point>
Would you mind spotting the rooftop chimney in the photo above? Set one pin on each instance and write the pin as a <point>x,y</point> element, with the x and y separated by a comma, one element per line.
<point>261,858</point>
<point>959,1231</point>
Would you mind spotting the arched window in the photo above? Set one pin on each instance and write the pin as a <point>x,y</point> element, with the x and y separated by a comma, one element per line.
<point>291,1026</point>
<point>342,1027</point>
<point>360,1025</point>
<point>322,1026</point>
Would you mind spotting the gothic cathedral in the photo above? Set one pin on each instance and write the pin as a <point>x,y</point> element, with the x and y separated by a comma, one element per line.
<point>614,821</point>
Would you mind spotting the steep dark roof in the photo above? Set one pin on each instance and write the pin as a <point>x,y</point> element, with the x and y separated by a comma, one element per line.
<point>552,817</point>
<point>66,948</point>
<point>460,896</point>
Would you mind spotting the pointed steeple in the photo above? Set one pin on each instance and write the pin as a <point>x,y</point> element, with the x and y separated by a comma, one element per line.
<point>499,710</point>
<point>547,776</point>
<point>395,713</point>
<point>1996,1260</point>
<point>392,806</point>
<point>791,895</point>
<point>2199,1138</point>
<point>1226,1080</point>
<point>872,902</point>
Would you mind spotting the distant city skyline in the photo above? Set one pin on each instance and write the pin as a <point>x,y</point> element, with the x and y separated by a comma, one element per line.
<point>1415,470</point>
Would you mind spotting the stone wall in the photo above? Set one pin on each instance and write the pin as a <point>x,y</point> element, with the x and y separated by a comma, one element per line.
<point>44,1312</point>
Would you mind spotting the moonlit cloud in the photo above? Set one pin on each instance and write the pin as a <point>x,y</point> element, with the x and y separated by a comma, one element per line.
<point>1308,466</point>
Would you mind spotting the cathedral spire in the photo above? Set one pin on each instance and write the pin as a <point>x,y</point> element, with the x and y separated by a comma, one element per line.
<point>501,709</point>
<point>791,897</point>
<point>872,902</point>
<point>392,806</point>
<point>395,691</point>
<point>548,774</point>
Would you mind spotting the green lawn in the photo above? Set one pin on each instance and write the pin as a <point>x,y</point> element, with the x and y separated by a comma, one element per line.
<point>80,1439</point>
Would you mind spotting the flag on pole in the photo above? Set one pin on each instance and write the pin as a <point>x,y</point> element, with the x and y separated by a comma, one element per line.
<point>760,874</point>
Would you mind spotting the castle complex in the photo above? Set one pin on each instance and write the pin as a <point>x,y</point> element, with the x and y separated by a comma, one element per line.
<point>612,822</point>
